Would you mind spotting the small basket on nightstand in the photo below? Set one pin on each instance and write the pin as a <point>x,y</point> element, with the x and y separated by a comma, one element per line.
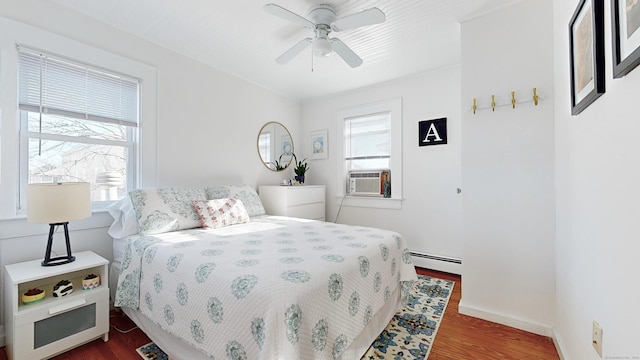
<point>32,296</point>
<point>90,281</point>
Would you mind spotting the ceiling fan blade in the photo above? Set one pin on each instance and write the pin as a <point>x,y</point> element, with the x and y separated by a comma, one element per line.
<point>363,18</point>
<point>346,53</point>
<point>293,51</point>
<point>283,13</point>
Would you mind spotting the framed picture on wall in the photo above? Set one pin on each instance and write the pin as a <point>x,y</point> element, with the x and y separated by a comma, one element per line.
<point>586,43</point>
<point>625,20</point>
<point>286,149</point>
<point>319,144</point>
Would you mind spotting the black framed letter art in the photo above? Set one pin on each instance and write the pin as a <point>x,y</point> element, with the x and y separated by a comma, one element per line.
<point>625,20</point>
<point>586,42</point>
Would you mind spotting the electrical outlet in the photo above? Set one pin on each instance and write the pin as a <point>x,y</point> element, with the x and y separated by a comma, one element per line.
<point>596,335</point>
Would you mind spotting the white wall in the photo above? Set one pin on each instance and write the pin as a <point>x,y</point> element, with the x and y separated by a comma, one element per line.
<point>515,201</point>
<point>207,125</point>
<point>507,168</point>
<point>430,215</point>
<point>597,177</point>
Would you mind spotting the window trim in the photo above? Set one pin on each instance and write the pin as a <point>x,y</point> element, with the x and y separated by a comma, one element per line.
<point>38,60</point>
<point>20,33</point>
<point>394,107</point>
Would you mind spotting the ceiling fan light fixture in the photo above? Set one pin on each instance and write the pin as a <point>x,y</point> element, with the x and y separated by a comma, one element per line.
<point>321,47</point>
<point>322,19</point>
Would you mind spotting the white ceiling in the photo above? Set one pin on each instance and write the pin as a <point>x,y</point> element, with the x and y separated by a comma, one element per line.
<point>240,38</point>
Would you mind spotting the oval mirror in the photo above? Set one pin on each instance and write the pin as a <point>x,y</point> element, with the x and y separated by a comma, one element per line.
<point>275,146</point>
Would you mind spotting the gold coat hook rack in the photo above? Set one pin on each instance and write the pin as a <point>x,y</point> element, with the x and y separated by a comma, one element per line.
<point>535,99</point>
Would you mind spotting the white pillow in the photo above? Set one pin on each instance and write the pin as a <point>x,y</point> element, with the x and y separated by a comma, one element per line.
<point>221,212</point>
<point>166,209</point>
<point>124,219</point>
<point>246,193</point>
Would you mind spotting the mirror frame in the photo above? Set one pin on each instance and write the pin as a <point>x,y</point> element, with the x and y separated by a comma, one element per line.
<point>275,123</point>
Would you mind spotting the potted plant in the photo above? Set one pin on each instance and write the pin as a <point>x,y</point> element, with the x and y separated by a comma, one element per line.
<point>279,165</point>
<point>300,168</point>
<point>276,165</point>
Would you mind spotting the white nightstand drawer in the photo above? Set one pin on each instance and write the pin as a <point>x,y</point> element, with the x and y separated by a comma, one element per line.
<point>56,333</point>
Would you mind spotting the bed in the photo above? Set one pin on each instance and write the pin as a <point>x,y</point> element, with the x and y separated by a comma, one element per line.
<point>262,287</point>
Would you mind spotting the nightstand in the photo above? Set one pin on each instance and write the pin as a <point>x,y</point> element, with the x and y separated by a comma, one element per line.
<point>301,201</point>
<point>55,324</point>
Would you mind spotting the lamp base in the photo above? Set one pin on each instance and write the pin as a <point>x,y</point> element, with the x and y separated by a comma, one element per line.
<point>60,260</point>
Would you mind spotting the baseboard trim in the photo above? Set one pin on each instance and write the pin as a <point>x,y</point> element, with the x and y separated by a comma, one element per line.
<point>558,344</point>
<point>503,319</point>
<point>438,265</point>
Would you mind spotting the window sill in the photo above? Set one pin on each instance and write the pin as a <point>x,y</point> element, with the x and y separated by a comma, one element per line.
<point>18,226</point>
<point>369,202</point>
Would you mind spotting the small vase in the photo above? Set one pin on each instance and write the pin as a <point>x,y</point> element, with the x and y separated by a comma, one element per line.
<point>299,179</point>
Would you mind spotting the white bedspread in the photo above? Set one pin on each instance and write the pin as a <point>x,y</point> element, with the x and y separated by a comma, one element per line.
<point>274,288</point>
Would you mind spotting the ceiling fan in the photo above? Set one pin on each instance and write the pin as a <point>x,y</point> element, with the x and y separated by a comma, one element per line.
<point>322,19</point>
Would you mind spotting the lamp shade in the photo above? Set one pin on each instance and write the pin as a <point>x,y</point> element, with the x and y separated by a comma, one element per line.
<point>321,47</point>
<point>58,202</point>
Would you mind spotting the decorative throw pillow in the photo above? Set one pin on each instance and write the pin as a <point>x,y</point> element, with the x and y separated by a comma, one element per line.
<point>221,212</point>
<point>246,193</point>
<point>166,209</point>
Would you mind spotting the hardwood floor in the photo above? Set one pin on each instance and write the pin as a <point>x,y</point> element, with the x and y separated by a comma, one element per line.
<point>466,337</point>
<point>459,337</point>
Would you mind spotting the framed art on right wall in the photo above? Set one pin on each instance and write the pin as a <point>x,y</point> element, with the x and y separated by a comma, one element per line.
<point>586,47</point>
<point>625,20</point>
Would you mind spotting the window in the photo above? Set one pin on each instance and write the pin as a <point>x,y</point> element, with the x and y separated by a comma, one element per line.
<point>264,147</point>
<point>368,141</point>
<point>77,123</point>
<point>372,143</point>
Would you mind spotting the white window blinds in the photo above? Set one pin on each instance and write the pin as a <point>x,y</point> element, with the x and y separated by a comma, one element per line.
<point>368,141</point>
<point>54,85</point>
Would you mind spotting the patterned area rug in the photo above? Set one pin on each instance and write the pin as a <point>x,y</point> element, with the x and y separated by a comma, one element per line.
<point>409,334</point>
<point>152,351</point>
<point>412,330</point>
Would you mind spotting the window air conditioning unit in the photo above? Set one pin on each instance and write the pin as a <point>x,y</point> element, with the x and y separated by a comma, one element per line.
<point>365,183</point>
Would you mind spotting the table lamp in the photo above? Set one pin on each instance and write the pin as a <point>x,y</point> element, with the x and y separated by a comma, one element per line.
<point>57,204</point>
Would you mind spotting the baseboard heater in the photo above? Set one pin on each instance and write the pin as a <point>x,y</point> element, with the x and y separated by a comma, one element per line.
<point>436,257</point>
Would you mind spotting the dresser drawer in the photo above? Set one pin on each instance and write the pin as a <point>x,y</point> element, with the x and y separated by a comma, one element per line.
<point>304,195</point>
<point>306,201</point>
<point>307,211</point>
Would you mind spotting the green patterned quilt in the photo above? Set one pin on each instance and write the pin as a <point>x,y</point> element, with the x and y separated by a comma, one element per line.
<point>274,288</point>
